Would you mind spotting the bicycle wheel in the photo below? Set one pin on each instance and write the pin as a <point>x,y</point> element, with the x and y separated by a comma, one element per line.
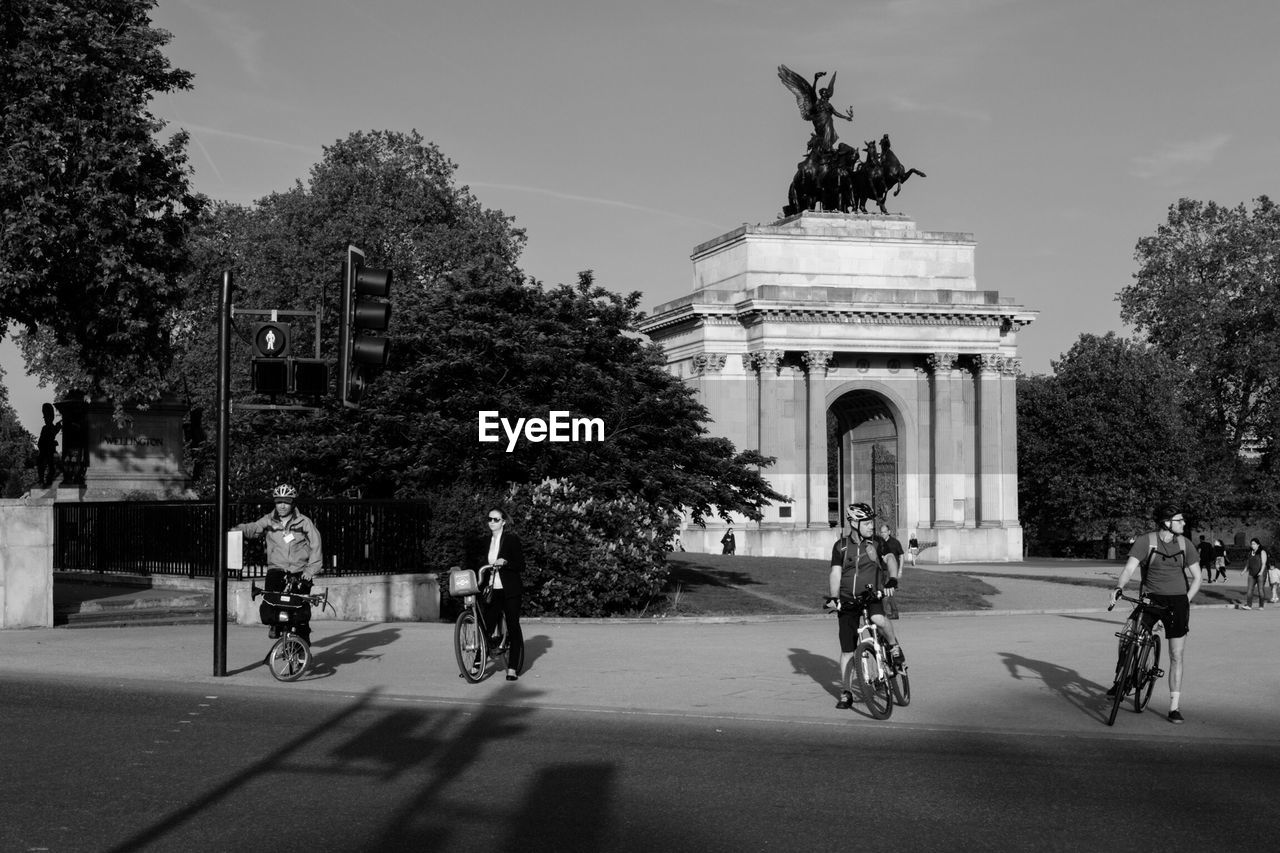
<point>469,646</point>
<point>901,685</point>
<point>871,680</point>
<point>1148,664</point>
<point>1124,679</point>
<point>289,658</point>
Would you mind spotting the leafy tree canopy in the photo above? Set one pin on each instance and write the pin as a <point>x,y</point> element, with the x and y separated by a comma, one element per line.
<point>94,209</point>
<point>469,334</point>
<point>1207,293</point>
<point>1104,439</point>
<point>17,449</point>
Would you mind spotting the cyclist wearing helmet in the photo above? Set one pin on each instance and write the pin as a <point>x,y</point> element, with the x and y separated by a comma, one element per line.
<point>855,563</point>
<point>1166,557</point>
<point>293,546</point>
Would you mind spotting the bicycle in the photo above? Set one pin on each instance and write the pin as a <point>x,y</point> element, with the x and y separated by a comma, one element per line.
<point>880,681</point>
<point>473,645</point>
<point>1138,663</point>
<point>289,609</point>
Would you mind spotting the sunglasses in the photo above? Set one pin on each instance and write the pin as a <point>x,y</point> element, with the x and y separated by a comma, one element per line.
<point>494,520</point>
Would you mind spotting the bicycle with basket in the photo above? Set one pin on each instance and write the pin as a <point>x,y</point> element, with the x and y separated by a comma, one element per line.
<point>288,608</point>
<point>475,642</point>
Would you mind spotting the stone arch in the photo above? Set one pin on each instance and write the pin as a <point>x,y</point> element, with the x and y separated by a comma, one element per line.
<point>871,455</point>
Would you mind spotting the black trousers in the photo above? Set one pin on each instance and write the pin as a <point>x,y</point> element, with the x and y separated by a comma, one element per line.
<point>502,604</point>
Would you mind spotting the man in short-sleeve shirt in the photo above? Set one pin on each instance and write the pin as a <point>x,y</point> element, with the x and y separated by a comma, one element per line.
<point>1170,575</point>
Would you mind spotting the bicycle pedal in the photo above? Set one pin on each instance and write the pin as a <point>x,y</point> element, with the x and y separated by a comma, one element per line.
<point>1157,673</point>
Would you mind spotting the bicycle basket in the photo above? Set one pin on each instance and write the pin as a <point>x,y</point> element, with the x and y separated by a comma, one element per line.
<point>463,582</point>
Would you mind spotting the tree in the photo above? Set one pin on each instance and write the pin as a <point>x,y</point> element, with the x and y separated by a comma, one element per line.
<point>1103,440</point>
<point>1207,294</point>
<point>17,449</point>
<point>95,209</point>
<point>469,334</point>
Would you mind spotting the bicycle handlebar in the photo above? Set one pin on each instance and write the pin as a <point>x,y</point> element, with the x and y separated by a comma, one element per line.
<point>867,594</point>
<point>1143,601</point>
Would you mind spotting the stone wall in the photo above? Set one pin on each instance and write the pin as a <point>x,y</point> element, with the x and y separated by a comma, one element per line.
<point>26,564</point>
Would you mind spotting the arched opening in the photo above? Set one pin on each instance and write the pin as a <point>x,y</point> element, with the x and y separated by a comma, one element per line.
<point>862,456</point>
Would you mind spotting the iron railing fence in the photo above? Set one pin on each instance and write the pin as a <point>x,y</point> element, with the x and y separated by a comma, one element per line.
<point>359,537</point>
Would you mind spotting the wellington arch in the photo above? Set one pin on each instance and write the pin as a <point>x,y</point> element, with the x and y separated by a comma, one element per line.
<point>859,352</point>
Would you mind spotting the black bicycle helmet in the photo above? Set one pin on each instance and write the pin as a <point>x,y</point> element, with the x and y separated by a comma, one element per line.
<point>1166,511</point>
<point>860,512</point>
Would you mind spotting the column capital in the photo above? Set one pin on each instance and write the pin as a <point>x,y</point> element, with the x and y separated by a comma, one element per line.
<point>988,364</point>
<point>818,362</point>
<point>708,362</point>
<point>768,362</point>
<point>942,361</point>
<point>1011,366</point>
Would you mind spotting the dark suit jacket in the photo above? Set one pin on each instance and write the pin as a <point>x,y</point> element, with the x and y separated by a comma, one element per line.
<point>509,549</point>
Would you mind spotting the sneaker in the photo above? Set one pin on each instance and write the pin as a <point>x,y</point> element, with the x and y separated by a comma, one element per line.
<point>898,657</point>
<point>1245,607</point>
<point>1111,692</point>
<point>846,700</point>
<point>1175,716</point>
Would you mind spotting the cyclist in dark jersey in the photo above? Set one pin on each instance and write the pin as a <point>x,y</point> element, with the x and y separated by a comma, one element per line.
<point>1170,576</point>
<point>855,563</point>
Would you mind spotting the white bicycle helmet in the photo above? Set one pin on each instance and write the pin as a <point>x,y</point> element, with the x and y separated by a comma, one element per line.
<point>284,492</point>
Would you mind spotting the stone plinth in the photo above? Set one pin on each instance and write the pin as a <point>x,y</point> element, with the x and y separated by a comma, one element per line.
<point>836,250</point>
<point>143,457</point>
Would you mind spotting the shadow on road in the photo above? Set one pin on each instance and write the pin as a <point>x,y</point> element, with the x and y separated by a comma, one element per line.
<point>1081,693</point>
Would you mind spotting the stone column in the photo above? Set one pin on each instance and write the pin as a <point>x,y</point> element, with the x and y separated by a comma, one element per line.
<point>945,457</point>
<point>818,366</point>
<point>770,417</point>
<point>1010,368</point>
<point>990,440</point>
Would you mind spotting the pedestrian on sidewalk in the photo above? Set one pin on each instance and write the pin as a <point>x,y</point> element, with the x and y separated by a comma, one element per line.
<point>1208,556</point>
<point>1220,561</point>
<point>1170,577</point>
<point>913,549</point>
<point>1273,581</point>
<point>1254,570</point>
<point>729,543</point>
<point>293,548</point>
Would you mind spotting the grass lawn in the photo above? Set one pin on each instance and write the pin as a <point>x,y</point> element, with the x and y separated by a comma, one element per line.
<point>704,585</point>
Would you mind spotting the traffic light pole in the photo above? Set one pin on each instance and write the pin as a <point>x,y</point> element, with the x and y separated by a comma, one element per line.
<point>224,429</point>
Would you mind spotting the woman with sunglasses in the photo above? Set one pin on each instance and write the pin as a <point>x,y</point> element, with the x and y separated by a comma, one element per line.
<point>503,554</point>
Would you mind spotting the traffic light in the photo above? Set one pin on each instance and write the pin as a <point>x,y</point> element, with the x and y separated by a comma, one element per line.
<point>365,308</point>
<point>270,373</point>
<point>310,376</point>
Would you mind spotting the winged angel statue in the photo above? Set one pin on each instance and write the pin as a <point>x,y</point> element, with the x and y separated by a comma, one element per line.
<point>815,106</point>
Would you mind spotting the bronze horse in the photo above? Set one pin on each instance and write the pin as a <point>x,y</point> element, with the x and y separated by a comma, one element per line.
<point>838,181</point>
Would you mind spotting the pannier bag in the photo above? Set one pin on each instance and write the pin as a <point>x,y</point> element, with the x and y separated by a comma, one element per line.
<point>284,608</point>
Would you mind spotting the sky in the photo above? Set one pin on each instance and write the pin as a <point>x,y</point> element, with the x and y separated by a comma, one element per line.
<point>622,134</point>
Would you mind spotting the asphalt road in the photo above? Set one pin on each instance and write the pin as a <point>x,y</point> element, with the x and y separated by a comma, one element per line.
<point>102,764</point>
